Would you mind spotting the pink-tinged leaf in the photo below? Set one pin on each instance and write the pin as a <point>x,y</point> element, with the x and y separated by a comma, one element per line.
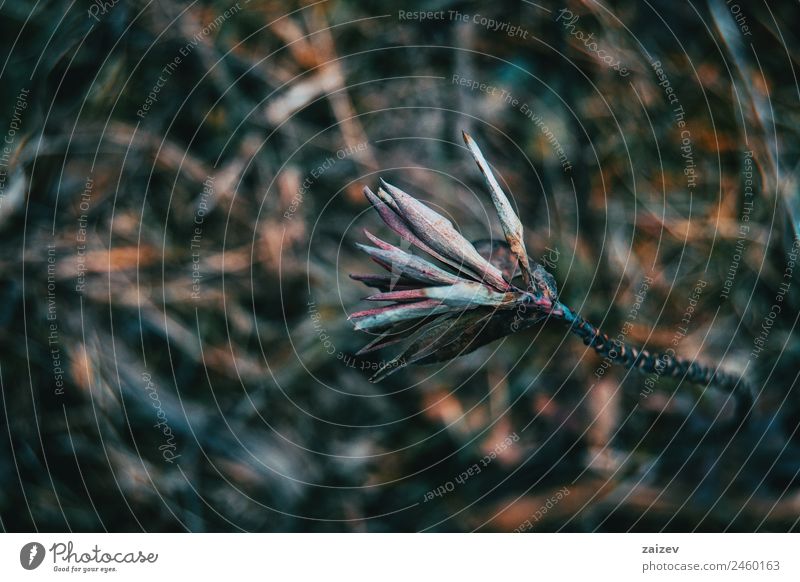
<point>391,314</point>
<point>384,197</point>
<point>512,227</point>
<point>438,233</point>
<point>396,222</point>
<point>410,266</point>
<point>378,242</point>
<point>400,295</point>
<point>469,294</point>
<point>465,294</point>
<point>371,312</point>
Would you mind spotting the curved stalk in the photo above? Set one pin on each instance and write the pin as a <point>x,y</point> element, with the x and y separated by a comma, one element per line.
<point>662,364</point>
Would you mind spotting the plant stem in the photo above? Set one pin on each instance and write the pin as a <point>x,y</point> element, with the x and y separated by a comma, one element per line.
<point>663,364</point>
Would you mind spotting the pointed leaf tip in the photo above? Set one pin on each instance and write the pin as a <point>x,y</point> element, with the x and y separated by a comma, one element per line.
<point>512,226</point>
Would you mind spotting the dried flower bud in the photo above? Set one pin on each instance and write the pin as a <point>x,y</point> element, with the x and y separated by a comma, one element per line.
<point>466,300</point>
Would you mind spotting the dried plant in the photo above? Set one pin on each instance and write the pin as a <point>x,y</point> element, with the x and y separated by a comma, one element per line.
<point>472,294</point>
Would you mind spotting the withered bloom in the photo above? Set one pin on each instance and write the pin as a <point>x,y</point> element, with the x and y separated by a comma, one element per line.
<point>464,295</point>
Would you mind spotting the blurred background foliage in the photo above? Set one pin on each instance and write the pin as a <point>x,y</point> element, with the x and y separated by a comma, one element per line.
<point>289,109</point>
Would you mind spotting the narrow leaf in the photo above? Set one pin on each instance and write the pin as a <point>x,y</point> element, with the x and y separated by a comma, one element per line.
<point>461,294</point>
<point>512,227</point>
<point>389,315</point>
<point>388,212</point>
<point>410,266</point>
<point>438,232</point>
